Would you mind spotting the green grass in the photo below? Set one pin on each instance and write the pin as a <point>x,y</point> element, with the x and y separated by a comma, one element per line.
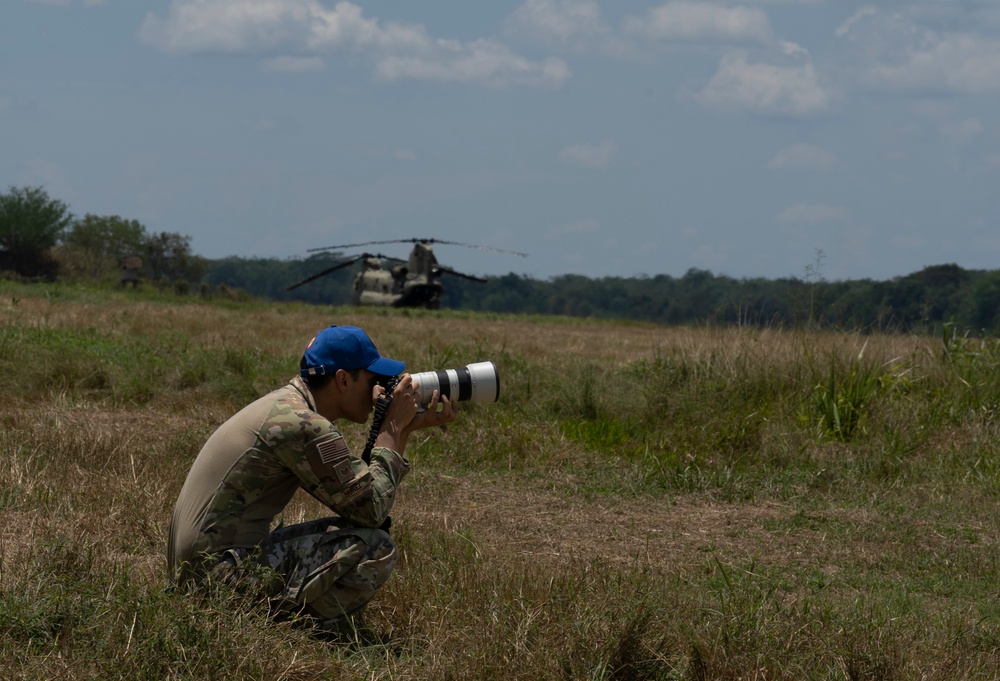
<point>642,503</point>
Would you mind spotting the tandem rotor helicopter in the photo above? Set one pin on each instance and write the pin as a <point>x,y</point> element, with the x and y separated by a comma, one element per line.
<point>393,282</point>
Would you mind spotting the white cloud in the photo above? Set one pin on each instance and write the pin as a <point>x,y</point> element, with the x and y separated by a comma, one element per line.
<point>293,64</point>
<point>858,16</point>
<point>793,49</point>
<point>801,156</point>
<point>766,89</point>
<point>812,214</point>
<point>483,61</point>
<point>264,25</point>
<point>897,53</point>
<point>589,156</point>
<point>956,63</point>
<point>308,27</point>
<point>689,20</point>
<point>564,22</point>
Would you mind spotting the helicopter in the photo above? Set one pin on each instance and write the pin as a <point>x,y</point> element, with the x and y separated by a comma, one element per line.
<point>387,281</point>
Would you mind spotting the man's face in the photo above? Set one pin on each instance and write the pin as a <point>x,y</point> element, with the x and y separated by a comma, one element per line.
<point>360,397</point>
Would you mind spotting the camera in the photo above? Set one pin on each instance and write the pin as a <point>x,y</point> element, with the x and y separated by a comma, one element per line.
<point>478,382</point>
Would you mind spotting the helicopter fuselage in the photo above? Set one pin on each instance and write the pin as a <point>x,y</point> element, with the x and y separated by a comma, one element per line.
<point>396,288</point>
<point>413,284</point>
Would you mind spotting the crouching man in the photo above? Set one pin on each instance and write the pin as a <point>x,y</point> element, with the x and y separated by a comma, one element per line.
<point>250,468</point>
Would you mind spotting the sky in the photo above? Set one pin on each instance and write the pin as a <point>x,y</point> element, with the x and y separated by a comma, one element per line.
<point>761,138</point>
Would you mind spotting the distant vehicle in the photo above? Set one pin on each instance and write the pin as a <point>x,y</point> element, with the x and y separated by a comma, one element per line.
<point>130,267</point>
<point>393,282</point>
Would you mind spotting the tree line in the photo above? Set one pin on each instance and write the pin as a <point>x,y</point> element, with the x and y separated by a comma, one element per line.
<point>40,238</point>
<point>919,302</point>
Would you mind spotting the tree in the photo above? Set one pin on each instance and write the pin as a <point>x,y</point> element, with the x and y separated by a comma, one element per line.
<point>167,255</point>
<point>30,225</point>
<point>96,244</point>
<point>983,305</point>
<point>270,277</point>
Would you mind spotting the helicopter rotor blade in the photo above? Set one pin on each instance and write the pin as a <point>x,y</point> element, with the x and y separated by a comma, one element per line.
<point>420,241</point>
<point>361,245</point>
<point>479,246</point>
<point>445,270</point>
<point>328,270</point>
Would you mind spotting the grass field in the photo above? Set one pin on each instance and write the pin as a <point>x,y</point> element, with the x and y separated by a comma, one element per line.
<point>642,503</point>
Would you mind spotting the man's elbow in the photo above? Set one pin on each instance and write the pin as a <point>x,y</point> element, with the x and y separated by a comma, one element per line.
<point>368,513</point>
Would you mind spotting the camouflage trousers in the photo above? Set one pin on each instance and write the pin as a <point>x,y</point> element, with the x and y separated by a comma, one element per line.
<point>326,568</point>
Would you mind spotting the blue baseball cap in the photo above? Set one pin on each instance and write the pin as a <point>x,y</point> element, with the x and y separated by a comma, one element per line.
<point>347,348</point>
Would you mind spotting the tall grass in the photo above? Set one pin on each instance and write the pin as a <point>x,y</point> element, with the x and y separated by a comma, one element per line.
<point>642,503</point>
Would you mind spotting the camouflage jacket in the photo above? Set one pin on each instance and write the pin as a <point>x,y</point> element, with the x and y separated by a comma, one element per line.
<point>250,468</point>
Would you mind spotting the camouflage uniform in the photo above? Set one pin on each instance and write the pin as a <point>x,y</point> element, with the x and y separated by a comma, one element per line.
<point>246,474</point>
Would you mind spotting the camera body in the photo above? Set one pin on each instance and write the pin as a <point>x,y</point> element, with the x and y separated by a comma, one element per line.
<point>477,382</point>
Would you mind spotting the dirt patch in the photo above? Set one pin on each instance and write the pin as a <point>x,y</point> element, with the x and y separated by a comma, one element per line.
<point>546,524</point>
<point>542,523</point>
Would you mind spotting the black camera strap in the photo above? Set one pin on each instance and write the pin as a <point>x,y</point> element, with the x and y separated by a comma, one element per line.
<point>381,405</point>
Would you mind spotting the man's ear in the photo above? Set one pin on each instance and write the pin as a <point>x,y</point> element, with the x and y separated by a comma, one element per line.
<point>341,379</point>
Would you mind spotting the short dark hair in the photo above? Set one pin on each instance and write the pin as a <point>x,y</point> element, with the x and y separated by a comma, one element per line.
<point>319,381</point>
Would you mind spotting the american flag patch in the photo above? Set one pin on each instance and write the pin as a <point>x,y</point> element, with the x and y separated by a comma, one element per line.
<point>334,453</point>
<point>332,450</point>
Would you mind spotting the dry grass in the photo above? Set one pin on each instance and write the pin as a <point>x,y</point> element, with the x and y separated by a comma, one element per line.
<point>644,503</point>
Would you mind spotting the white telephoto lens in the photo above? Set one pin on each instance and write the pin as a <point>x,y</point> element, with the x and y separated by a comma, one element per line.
<point>479,382</point>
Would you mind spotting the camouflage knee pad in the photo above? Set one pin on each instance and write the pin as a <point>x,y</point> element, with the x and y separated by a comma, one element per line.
<point>330,575</point>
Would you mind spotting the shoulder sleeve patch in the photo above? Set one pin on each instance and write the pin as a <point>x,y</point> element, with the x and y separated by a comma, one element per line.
<point>335,454</point>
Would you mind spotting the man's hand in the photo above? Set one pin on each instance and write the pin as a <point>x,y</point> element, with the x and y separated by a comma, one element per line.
<point>405,415</point>
<point>404,404</point>
<point>438,412</point>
